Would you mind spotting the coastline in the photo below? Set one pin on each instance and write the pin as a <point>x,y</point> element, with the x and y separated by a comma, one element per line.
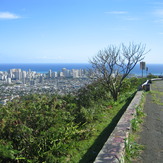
<point>155,69</point>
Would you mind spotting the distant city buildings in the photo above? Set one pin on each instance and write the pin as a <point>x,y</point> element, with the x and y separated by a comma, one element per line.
<point>17,82</point>
<point>32,77</point>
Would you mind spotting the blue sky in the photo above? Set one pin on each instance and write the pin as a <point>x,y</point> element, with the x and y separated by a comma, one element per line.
<point>73,31</point>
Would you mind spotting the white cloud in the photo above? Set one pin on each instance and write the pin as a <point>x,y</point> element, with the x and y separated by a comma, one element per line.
<point>158,21</point>
<point>118,29</point>
<point>8,15</point>
<point>159,16</point>
<point>159,12</point>
<point>131,18</point>
<point>156,3</point>
<point>49,57</point>
<point>116,12</point>
<point>123,15</point>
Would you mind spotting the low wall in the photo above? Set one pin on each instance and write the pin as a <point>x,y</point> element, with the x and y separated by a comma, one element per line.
<point>114,149</point>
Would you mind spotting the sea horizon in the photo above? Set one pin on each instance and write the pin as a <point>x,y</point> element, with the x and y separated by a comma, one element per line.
<point>153,68</point>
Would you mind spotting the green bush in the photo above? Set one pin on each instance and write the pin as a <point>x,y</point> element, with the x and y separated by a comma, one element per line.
<point>36,125</point>
<point>92,94</point>
<point>42,128</point>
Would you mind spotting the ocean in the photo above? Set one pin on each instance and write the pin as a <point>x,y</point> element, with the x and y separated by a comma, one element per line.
<point>44,67</point>
<point>155,69</point>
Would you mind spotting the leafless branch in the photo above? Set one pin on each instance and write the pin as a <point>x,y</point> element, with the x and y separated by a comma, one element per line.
<point>113,64</point>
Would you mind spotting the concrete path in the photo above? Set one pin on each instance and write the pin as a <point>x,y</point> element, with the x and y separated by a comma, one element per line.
<point>152,133</point>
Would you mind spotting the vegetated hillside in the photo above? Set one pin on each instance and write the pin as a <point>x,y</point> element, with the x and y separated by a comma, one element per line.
<point>42,128</point>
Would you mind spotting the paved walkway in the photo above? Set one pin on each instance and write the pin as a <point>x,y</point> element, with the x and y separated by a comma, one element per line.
<point>152,134</point>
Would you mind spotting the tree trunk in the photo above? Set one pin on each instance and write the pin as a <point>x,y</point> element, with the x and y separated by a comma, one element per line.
<point>114,95</point>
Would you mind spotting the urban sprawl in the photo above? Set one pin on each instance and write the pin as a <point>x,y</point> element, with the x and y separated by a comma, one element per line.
<point>16,82</point>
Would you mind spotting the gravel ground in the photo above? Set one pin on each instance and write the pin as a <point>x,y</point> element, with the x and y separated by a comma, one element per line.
<point>152,132</point>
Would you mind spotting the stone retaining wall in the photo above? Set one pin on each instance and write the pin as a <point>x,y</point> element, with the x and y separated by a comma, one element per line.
<point>114,149</point>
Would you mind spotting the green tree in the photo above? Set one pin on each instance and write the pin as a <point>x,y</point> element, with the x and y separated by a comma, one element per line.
<point>91,94</point>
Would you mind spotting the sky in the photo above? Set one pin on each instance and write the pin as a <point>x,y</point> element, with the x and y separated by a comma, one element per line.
<point>73,31</point>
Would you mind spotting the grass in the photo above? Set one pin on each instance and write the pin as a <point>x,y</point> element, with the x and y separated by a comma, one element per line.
<point>132,148</point>
<point>156,97</point>
<point>104,129</point>
<point>89,149</point>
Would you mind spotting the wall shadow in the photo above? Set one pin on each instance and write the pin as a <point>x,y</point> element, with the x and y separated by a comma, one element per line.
<point>93,151</point>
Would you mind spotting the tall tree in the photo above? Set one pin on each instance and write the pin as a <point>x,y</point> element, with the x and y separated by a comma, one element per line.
<point>113,64</point>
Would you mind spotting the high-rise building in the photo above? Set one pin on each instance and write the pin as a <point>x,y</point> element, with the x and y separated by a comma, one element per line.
<point>75,73</point>
<point>61,74</point>
<point>9,81</point>
<point>18,74</point>
<point>54,74</point>
<point>15,73</point>
<point>1,77</point>
<point>66,72</point>
<point>50,74</point>
<point>24,74</point>
<point>41,80</point>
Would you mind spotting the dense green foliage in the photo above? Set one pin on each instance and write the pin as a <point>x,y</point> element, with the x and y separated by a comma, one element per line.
<point>42,128</point>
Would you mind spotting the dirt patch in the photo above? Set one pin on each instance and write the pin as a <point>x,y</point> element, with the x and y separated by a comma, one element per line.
<point>152,132</point>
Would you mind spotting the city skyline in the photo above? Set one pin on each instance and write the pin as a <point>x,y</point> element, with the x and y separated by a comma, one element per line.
<point>73,31</point>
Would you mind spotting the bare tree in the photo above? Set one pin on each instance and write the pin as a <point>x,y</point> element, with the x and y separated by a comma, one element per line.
<point>113,64</point>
